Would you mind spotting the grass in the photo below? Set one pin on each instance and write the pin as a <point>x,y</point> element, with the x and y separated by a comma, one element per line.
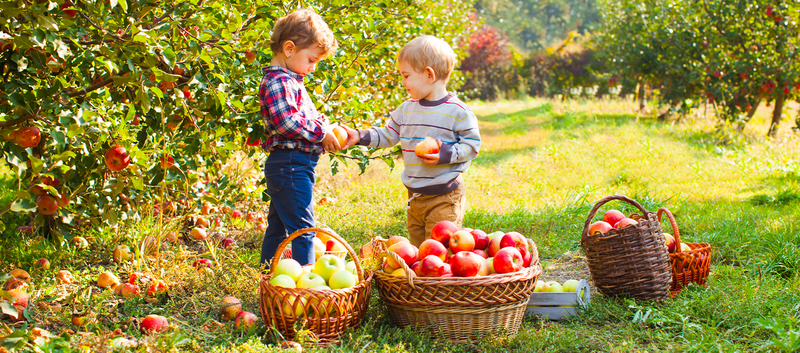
<point>542,167</point>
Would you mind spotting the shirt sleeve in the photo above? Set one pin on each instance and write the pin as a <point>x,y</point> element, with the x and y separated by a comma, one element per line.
<point>279,106</point>
<point>386,136</point>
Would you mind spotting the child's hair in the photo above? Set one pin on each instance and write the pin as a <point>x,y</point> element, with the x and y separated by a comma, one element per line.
<point>425,51</point>
<point>306,29</point>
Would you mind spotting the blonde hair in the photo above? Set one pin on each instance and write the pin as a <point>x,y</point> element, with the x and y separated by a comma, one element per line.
<point>305,28</point>
<point>429,51</point>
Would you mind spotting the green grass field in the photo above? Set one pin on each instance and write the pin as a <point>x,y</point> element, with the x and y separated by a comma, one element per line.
<point>542,167</point>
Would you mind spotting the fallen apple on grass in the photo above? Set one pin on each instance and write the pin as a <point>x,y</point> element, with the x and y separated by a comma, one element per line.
<point>231,306</point>
<point>153,323</point>
<point>122,253</point>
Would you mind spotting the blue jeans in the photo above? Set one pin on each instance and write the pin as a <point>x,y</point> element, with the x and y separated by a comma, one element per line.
<point>290,184</point>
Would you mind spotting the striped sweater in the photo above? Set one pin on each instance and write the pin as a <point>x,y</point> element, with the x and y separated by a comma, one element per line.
<point>448,120</point>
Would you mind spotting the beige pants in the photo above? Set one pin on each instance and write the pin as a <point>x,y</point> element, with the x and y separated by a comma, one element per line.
<point>425,211</point>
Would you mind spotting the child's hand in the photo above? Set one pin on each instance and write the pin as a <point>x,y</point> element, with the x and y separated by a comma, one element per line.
<point>430,159</point>
<point>329,142</point>
<point>352,137</point>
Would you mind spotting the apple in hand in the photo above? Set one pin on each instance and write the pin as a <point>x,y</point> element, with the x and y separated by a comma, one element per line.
<point>612,217</point>
<point>442,231</point>
<point>342,279</point>
<point>466,264</point>
<point>310,280</point>
<point>426,146</point>
<point>600,226</point>
<point>341,135</point>
<point>462,241</point>
<point>507,260</point>
<point>432,247</point>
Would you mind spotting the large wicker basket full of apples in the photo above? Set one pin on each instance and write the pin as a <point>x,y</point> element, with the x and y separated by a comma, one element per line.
<point>462,282</point>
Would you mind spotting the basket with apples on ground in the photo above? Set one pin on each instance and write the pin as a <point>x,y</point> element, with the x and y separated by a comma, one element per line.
<point>691,262</point>
<point>329,296</point>
<point>473,285</point>
<point>627,256</point>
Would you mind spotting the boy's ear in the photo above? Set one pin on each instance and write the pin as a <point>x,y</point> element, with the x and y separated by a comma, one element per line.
<point>431,74</point>
<point>288,48</point>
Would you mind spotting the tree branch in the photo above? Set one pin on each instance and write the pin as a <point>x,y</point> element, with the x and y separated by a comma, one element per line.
<point>17,121</point>
<point>93,87</point>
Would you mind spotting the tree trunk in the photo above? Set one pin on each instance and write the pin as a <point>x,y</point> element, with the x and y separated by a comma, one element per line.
<point>641,94</point>
<point>750,115</point>
<point>780,98</point>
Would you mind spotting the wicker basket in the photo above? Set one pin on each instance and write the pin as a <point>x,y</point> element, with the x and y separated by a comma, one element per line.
<point>687,266</point>
<point>326,313</point>
<point>632,261</point>
<point>459,307</point>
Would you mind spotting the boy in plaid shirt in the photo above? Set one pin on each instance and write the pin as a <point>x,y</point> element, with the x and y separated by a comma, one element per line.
<point>296,133</point>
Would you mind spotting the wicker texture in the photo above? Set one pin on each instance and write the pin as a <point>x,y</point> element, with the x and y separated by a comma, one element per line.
<point>326,313</point>
<point>459,307</point>
<point>632,261</point>
<point>690,266</point>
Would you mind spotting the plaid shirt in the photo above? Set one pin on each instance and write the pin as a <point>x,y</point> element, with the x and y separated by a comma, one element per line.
<point>290,118</point>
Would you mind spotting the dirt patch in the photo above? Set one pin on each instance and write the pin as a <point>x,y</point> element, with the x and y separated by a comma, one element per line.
<point>570,265</point>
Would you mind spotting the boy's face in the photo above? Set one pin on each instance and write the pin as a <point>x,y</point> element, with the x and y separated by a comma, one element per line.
<point>417,84</point>
<point>304,60</point>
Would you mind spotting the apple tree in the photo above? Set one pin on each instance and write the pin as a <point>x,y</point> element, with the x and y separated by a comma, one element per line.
<point>733,54</point>
<point>112,108</point>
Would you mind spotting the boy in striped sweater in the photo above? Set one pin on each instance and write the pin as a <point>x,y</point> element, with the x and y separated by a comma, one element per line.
<point>435,186</point>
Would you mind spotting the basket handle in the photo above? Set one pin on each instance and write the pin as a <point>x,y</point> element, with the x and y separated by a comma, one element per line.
<point>674,227</point>
<point>410,275</point>
<point>327,231</point>
<point>602,202</point>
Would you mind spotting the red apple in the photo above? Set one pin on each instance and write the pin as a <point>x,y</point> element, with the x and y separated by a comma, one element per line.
<point>236,215</point>
<point>625,222</point>
<point>167,163</point>
<point>202,263</point>
<point>46,204</point>
<point>447,270</point>
<point>341,135</point>
<point>128,290</point>
<point>249,57</point>
<point>515,240</point>
<point>465,264</point>
<point>612,217</point>
<point>462,241</point>
<point>28,136</point>
<point>494,245</point>
<point>253,143</point>
<point>442,231</point>
<point>432,247</point>
<point>156,287</point>
<point>406,251</point>
<point>117,158</point>
<point>430,266</point>
<point>70,13</point>
<point>481,239</point>
<point>526,259</point>
<point>228,243</point>
<point>481,253</point>
<point>251,217</point>
<point>153,323</point>
<point>231,306</point>
<point>600,226</point>
<point>43,264</point>
<point>670,241</point>
<point>245,320</point>
<point>507,260</point>
<point>394,239</point>
<point>484,271</point>
<point>426,146</point>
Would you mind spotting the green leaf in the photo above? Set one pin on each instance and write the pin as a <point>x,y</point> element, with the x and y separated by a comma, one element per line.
<point>157,92</point>
<point>46,22</point>
<point>9,309</point>
<point>124,5</point>
<point>23,205</point>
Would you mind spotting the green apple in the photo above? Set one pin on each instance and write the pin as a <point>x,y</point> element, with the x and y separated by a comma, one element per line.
<point>538,287</point>
<point>342,279</point>
<point>494,234</point>
<point>289,307</point>
<point>552,287</point>
<point>307,269</point>
<point>310,280</point>
<point>570,285</point>
<point>282,281</point>
<point>289,267</point>
<point>324,303</point>
<point>326,265</point>
<point>351,266</point>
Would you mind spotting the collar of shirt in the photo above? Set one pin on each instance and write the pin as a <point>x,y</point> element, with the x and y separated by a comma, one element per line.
<point>292,74</point>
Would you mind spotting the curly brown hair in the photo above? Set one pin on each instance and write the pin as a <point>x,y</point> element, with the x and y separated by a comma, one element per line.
<point>305,28</point>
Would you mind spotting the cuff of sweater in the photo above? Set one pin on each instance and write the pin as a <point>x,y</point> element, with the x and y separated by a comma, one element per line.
<point>365,139</point>
<point>445,154</point>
